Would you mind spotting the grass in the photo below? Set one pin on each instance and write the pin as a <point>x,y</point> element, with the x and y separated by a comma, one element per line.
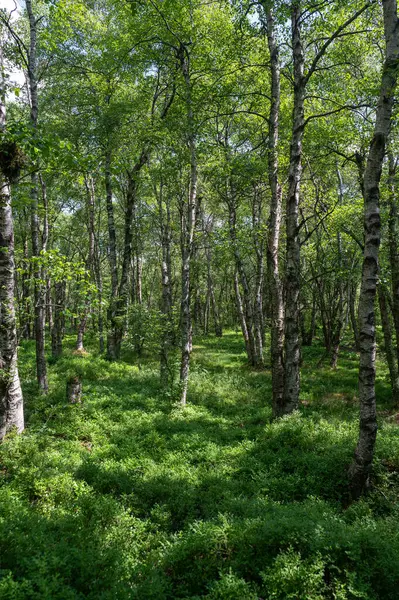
<point>129,497</point>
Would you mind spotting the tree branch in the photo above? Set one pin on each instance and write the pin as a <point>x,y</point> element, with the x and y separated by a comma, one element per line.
<point>333,37</point>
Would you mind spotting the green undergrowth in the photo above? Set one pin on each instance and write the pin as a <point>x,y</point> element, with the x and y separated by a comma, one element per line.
<point>128,496</point>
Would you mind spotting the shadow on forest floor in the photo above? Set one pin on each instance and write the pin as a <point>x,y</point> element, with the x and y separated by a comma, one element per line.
<point>128,496</point>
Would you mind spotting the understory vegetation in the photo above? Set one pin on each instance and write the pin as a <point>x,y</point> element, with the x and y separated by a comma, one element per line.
<point>128,495</point>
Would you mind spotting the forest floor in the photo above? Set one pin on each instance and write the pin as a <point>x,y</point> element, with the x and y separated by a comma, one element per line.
<point>128,496</point>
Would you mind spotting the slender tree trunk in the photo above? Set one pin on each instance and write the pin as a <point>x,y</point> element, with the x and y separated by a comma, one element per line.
<point>292,282</point>
<point>340,317</point>
<point>11,401</point>
<point>216,314</point>
<point>353,315</point>
<point>389,350</point>
<point>211,297</point>
<point>99,283</point>
<point>167,295</point>
<point>45,246</point>
<point>90,201</point>
<point>258,300</point>
<point>123,291</point>
<point>57,332</point>
<point>393,244</point>
<point>241,315</point>
<point>188,226</point>
<point>360,469</point>
<point>39,289</point>
<point>26,301</point>
<point>112,353</point>
<point>276,287</point>
<point>246,302</point>
<point>139,278</point>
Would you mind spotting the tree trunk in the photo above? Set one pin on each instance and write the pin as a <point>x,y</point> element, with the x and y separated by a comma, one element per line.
<point>211,297</point>
<point>26,300</point>
<point>112,350</point>
<point>353,315</point>
<point>39,290</point>
<point>57,332</point>
<point>276,287</point>
<point>188,226</point>
<point>74,390</point>
<point>166,374</point>
<point>122,294</point>
<point>90,267</point>
<point>360,469</point>
<point>393,244</point>
<point>241,314</point>
<point>292,281</point>
<point>389,350</point>
<point>11,401</point>
<point>258,300</point>
<point>245,302</point>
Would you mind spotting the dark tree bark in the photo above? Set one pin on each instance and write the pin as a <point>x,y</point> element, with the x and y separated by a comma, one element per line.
<point>360,469</point>
<point>123,291</point>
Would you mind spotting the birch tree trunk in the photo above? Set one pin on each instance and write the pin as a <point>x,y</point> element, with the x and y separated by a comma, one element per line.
<point>276,287</point>
<point>258,300</point>
<point>113,265</point>
<point>389,350</point>
<point>244,302</point>
<point>11,401</point>
<point>353,314</point>
<point>26,300</point>
<point>39,293</point>
<point>360,468</point>
<point>57,331</point>
<point>188,227</point>
<point>393,242</point>
<point>90,206</point>
<point>241,314</point>
<point>292,281</point>
<point>166,278</point>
